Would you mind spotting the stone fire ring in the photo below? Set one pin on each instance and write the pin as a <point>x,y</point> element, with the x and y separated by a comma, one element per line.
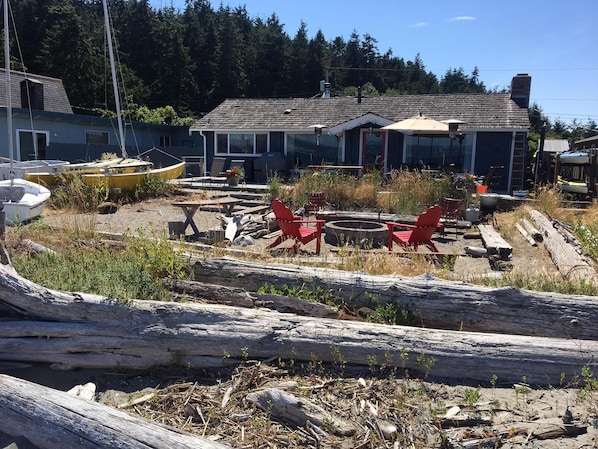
<point>362,233</point>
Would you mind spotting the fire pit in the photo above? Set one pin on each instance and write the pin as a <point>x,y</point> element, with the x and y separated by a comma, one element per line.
<point>361,233</point>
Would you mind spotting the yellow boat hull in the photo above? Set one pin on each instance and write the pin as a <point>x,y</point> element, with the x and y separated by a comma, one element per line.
<point>132,180</point>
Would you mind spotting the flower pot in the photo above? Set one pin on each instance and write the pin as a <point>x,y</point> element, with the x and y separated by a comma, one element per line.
<point>233,180</point>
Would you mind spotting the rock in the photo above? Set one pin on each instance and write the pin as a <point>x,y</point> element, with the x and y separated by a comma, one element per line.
<point>107,207</point>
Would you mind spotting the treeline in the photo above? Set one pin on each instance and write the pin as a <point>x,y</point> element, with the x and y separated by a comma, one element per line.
<point>195,58</point>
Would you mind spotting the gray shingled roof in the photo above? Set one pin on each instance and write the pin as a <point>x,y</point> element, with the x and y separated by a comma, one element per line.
<point>55,98</point>
<point>492,111</point>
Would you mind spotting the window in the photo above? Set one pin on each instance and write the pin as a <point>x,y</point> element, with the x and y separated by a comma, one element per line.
<point>436,152</point>
<point>28,148</point>
<point>304,149</point>
<point>250,143</point>
<point>96,137</point>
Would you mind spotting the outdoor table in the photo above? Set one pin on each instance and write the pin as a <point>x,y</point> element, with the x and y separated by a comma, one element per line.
<point>189,208</point>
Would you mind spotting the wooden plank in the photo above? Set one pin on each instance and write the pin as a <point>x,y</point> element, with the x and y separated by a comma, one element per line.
<point>494,243</point>
<point>252,210</point>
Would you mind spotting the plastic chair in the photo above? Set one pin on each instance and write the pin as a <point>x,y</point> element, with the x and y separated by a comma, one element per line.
<point>451,211</point>
<point>293,227</point>
<point>418,234</point>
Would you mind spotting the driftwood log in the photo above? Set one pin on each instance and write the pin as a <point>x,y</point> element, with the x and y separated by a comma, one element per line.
<point>239,297</point>
<point>494,243</point>
<point>434,303</point>
<point>54,419</point>
<point>76,330</point>
<point>569,262</point>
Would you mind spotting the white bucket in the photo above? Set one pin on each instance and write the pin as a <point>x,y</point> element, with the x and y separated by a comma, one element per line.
<point>472,214</point>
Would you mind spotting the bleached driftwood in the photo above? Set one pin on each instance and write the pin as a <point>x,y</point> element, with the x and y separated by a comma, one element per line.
<point>525,234</point>
<point>494,243</point>
<point>298,411</point>
<point>532,230</point>
<point>78,330</point>
<point>51,419</point>
<point>568,261</point>
<point>434,303</point>
<point>238,297</point>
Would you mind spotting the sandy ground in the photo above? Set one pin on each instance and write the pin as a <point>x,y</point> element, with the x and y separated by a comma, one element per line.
<point>154,216</point>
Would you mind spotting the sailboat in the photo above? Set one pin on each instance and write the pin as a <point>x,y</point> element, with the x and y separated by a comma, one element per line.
<point>122,172</point>
<point>21,200</point>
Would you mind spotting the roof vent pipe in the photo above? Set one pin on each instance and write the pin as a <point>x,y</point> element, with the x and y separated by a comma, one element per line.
<point>325,89</point>
<point>359,94</point>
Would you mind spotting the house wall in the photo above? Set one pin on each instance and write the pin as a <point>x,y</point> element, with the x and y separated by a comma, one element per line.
<point>494,149</point>
<point>66,136</point>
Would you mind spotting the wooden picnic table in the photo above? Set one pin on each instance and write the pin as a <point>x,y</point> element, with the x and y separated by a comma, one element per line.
<point>227,204</point>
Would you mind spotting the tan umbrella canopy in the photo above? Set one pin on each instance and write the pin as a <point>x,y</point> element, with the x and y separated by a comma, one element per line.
<point>419,124</point>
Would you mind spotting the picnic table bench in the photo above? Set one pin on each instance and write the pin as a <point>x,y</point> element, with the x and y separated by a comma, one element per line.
<point>226,204</point>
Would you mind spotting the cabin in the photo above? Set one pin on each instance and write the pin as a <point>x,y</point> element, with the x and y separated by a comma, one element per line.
<point>294,134</point>
<point>45,127</point>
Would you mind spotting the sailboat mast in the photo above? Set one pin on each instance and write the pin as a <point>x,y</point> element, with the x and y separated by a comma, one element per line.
<point>114,79</point>
<point>8,88</point>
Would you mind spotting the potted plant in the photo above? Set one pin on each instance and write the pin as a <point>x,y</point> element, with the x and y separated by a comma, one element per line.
<point>234,175</point>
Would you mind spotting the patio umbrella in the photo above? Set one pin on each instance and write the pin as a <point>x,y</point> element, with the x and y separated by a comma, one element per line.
<point>419,124</point>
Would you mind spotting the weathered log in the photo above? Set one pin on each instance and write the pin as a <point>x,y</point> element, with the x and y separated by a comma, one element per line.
<point>432,302</point>
<point>76,330</point>
<point>298,411</point>
<point>494,243</point>
<point>238,297</point>
<point>51,419</point>
<point>526,235</point>
<point>532,230</point>
<point>568,261</point>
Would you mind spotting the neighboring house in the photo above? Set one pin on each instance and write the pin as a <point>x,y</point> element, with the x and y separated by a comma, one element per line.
<point>555,146</point>
<point>589,143</point>
<point>493,133</point>
<point>41,108</point>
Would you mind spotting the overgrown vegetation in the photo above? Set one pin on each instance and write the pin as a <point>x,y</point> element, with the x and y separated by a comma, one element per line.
<point>404,192</point>
<point>73,194</point>
<point>134,270</point>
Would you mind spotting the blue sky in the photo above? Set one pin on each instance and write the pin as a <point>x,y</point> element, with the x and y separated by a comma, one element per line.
<point>554,42</point>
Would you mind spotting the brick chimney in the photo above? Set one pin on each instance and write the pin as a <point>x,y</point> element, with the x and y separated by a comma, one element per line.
<point>32,94</point>
<point>521,86</point>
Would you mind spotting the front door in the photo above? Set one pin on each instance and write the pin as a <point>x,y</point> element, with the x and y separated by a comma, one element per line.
<point>373,149</point>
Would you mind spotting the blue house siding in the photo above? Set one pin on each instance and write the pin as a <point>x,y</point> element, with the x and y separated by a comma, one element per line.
<point>65,137</point>
<point>494,149</point>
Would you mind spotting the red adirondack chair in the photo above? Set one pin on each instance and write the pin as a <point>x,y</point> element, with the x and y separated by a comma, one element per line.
<point>418,234</point>
<point>295,228</point>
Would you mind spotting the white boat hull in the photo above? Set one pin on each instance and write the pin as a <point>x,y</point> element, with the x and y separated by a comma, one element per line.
<point>578,157</point>
<point>30,206</point>
<point>20,169</point>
